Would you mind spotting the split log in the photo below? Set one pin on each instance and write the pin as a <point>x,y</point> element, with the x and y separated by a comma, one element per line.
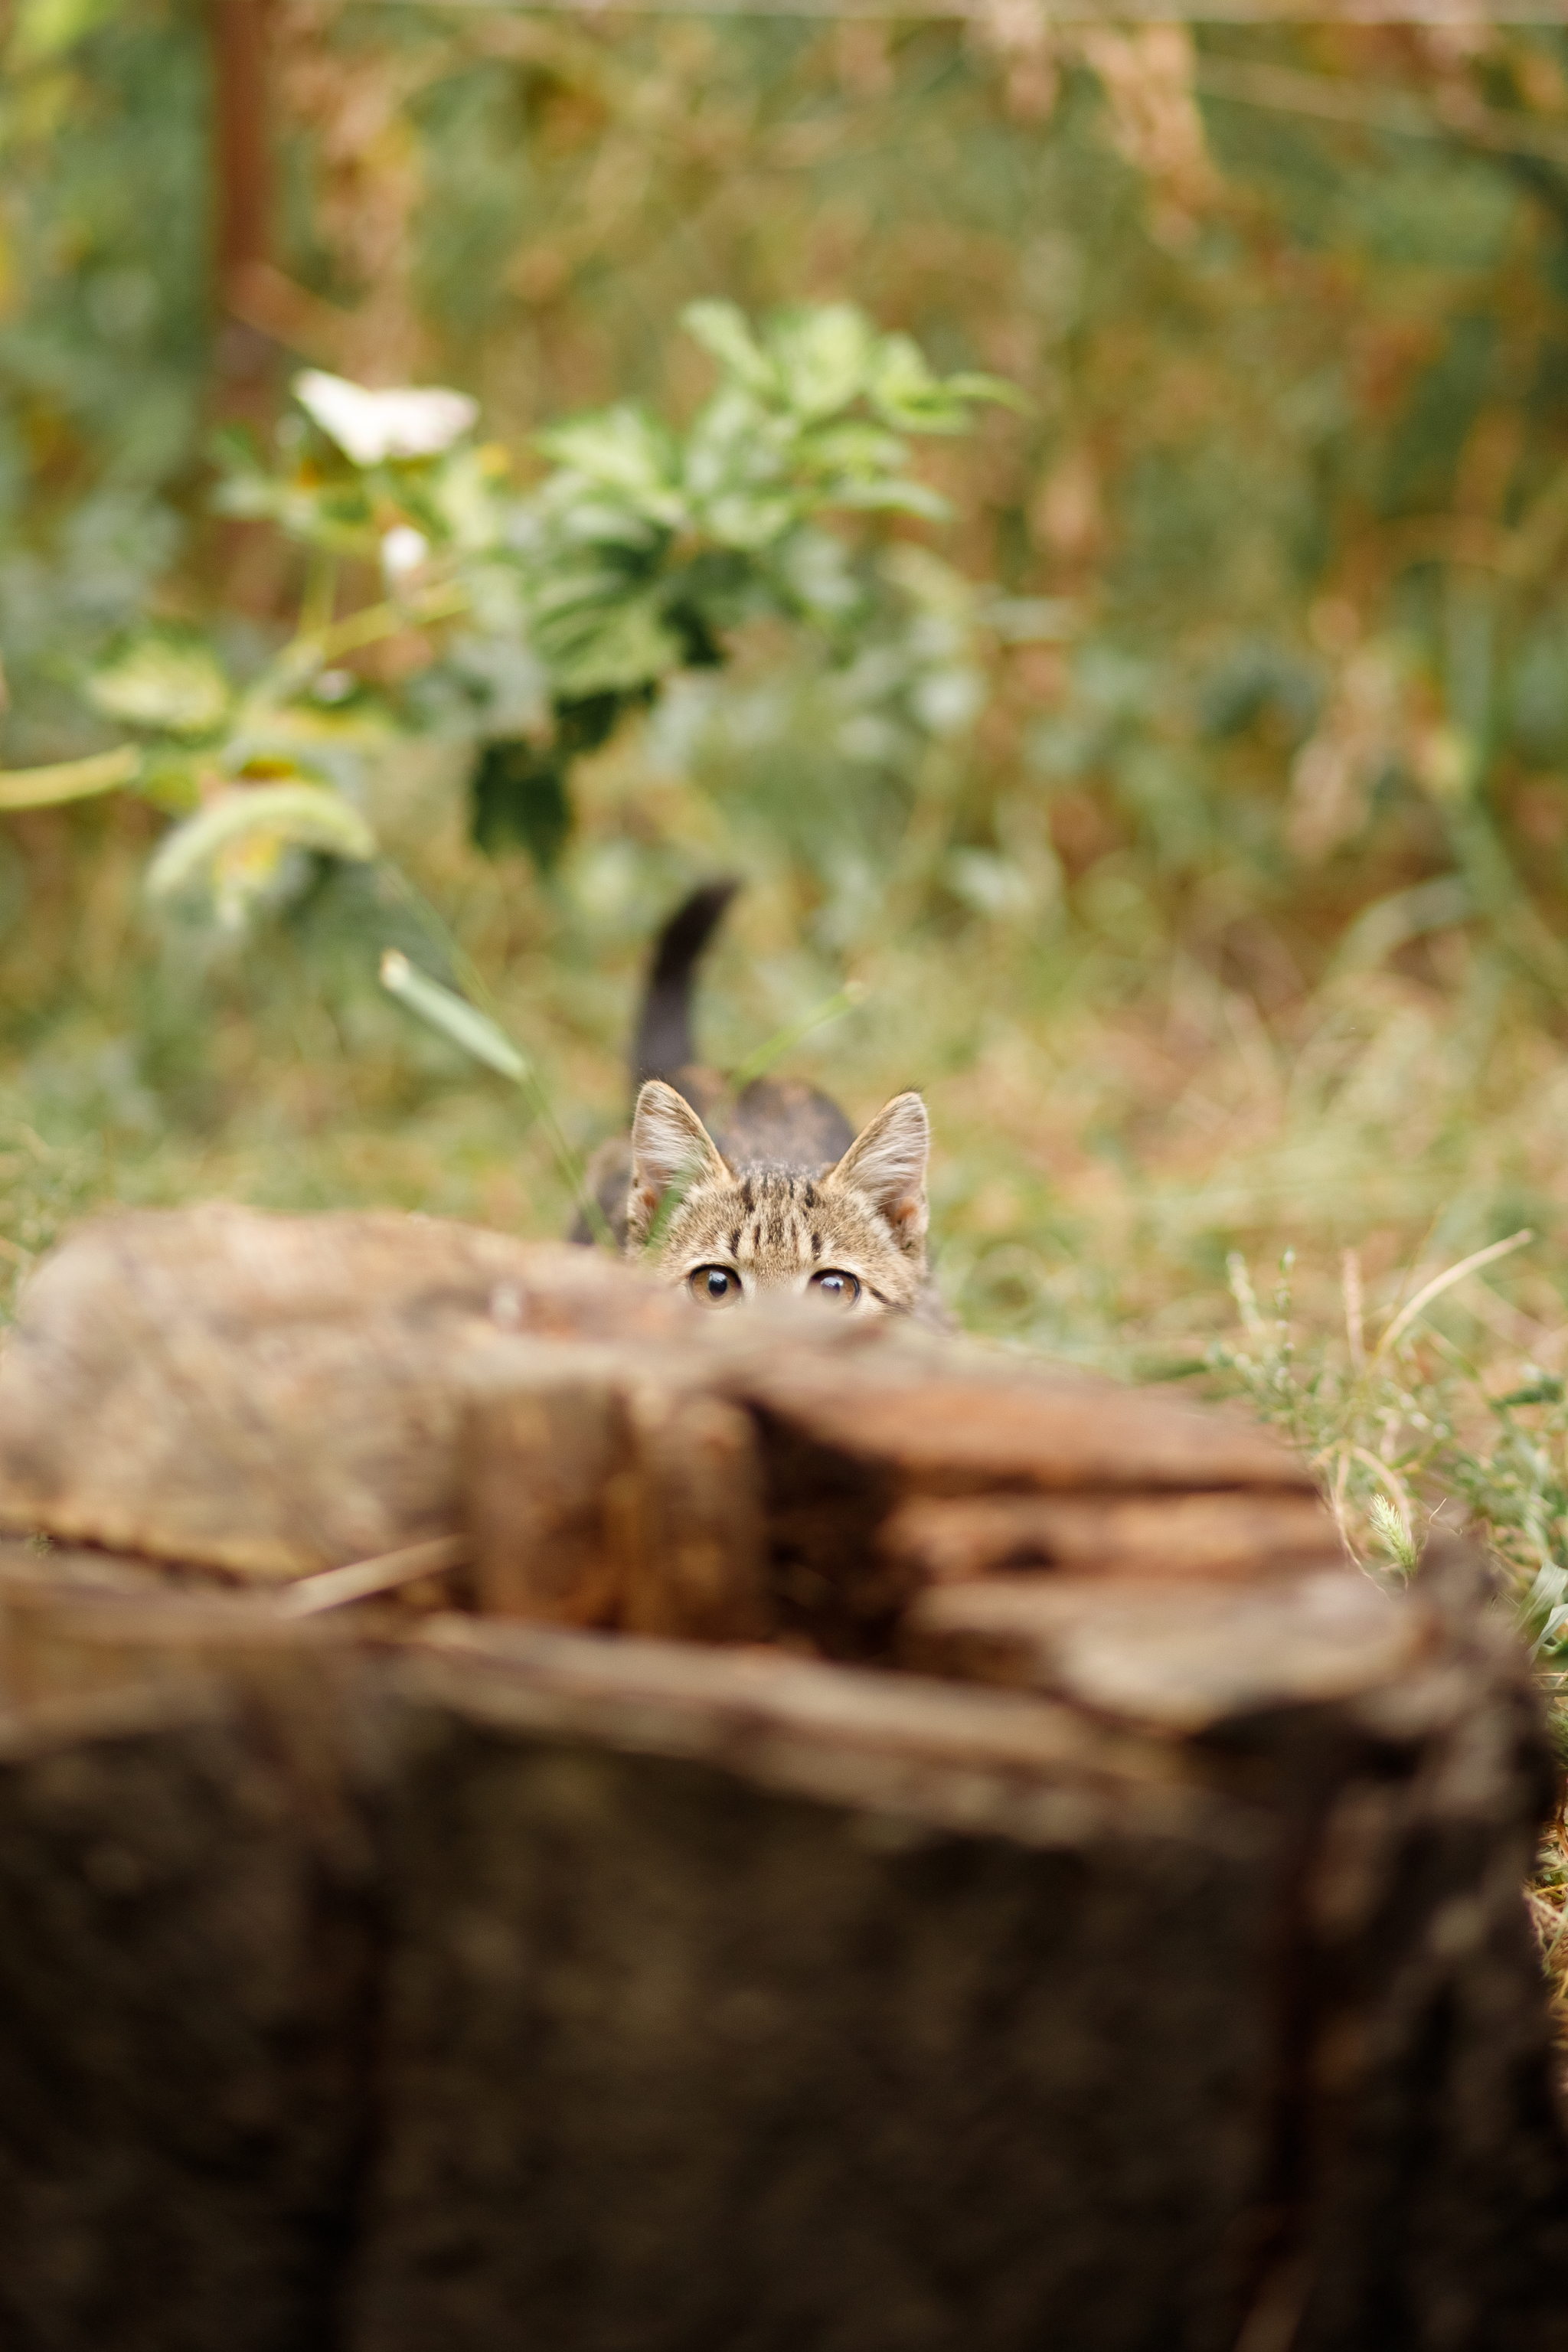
<point>880,1461</point>
<point>813,1987</point>
<point>699,1566</point>
<point>277,1397</point>
<point>1234,1534</point>
<point>608,1486</point>
<point>1109,1937</point>
<point>1182,1654</point>
<point>522,1984</point>
<point>894,2018</point>
<point>186,1987</point>
<point>270,1395</point>
<point>940,1423</point>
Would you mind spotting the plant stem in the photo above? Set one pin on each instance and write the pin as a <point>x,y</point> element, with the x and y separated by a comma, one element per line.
<point>69,780</point>
<point>311,649</point>
<point>320,596</point>
<point>385,620</point>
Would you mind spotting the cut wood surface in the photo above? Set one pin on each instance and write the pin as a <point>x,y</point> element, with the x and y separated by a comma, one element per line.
<point>1188,1655</point>
<point>271,1395</point>
<point>1010,1427</point>
<point>1103,1930</point>
<point>1231,1535</point>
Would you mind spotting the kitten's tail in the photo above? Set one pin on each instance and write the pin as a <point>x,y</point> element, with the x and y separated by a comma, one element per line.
<point>664,1044</point>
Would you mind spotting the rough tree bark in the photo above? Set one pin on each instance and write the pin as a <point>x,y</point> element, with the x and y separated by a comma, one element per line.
<point>1103,1932</point>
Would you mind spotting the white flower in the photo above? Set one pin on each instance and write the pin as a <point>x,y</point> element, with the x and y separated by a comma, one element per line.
<point>369,426</point>
<point>403,550</point>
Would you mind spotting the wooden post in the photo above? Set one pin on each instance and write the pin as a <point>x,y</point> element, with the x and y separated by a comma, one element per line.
<point>242,194</point>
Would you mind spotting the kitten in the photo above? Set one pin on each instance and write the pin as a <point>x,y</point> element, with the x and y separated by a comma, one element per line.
<point>780,1197</point>
<point>852,1232</point>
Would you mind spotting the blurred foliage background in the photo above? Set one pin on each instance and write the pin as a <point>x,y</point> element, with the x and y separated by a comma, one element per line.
<point>1220,909</point>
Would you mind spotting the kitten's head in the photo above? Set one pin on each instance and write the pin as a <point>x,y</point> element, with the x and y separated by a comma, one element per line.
<point>853,1234</point>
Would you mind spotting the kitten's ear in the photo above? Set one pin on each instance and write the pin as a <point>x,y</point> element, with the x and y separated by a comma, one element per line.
<point>668,1141</point>
<point>886,1162</point>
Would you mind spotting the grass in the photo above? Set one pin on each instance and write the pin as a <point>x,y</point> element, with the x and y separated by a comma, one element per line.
<point>1340,1201</point>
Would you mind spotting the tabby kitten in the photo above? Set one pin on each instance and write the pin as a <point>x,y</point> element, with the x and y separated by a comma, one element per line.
<point>775,1193</point>
<point>851,1233</point>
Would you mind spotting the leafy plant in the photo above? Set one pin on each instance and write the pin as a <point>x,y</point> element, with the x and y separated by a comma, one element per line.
<point>540,617</point>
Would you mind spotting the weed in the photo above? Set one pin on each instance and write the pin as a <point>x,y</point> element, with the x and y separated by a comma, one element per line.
<point>1410,1433</point>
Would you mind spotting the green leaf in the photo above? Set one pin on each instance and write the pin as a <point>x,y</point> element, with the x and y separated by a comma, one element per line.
<point>623,449</point>
<point>813,570</point>
<point>720,589</point>
<point>171,781</point>
<point>748,520</point>
<point>466,494</point>
<point>164,680</point>
<point>904,390</point>
<point>249,495</point>
<point>565,588</point>
<point>48,28</point>
<point>721,329</point>
<point>893,498</point>
<point>455,1018</point>
<point>584,519</point>
<point>334,745</point>
<point>301,816</point>
<point>734,444</point>
<point>823,357</point>
<point>854,447</point>
<point>520,795</point>
<point>1546,1390</point>
<point>972,386</point>
<point>591,645</point>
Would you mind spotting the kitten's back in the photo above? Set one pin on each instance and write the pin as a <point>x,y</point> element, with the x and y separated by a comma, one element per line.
<point>780,1123</point>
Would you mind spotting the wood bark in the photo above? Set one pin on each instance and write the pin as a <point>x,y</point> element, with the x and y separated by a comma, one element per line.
<point>185,1973</point>
<point>1104,1932</point>
<point>515,1984</point>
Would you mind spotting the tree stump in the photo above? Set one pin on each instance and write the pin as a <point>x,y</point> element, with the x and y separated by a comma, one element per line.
<point>934,1854</point>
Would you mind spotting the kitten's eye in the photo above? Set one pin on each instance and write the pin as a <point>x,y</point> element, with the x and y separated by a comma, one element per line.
<point>715,1285</point>
<point>842,1287</point>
